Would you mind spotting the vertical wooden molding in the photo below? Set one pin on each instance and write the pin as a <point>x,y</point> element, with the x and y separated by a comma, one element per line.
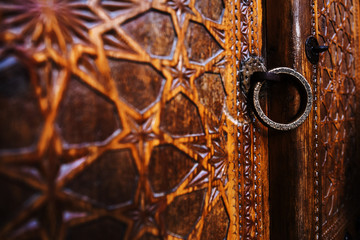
<point>315,132</point>
<point>231,83</point>
<point>252,136</point>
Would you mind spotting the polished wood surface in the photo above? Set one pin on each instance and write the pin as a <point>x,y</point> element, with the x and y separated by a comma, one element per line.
<point>314,170</point>
<point>119,121</point>
<point>338,121</point>
<point>290,164</point>
<point>127,120</point>
<point>112,121</point>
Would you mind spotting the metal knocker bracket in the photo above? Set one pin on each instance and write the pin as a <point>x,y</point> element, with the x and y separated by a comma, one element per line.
<point>274,74</point>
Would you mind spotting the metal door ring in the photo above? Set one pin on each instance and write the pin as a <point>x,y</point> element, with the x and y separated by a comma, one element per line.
<point>303,115</point>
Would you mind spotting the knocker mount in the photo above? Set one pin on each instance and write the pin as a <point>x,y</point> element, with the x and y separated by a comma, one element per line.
<point>253,75</point>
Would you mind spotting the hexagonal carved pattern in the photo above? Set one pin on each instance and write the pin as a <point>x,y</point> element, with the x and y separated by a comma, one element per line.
<point>109,114</point>
<point>138,84</point>
<point>78,127</point>
<point>168,166</point>
<point>20,115</point>
<point>117,107</point>
<point>160,39</point>
<point>186,208</point>
<point>200,44</point>
<point>211,92</point>
<point>216,223</point>
<point>59,24</point>
<point>108,181</point>
<point>188,123</point>
<point>211,9</point>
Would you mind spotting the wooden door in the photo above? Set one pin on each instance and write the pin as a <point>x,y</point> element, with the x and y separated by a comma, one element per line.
<point>119,120</point>
<point>126,120</point>
<point>314,170</point>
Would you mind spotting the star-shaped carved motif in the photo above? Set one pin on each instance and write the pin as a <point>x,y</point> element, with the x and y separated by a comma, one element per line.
<point>200,148</point>
<point>214,193</point>
<point>213,125</point>
<point>144,214</point>
<point>181,7</point>
<point>219,159</point>
<point>181,75</point>
<point>141,132</point>
<point>56,23</point>
<point>200,178</point>
<point>40,174</point>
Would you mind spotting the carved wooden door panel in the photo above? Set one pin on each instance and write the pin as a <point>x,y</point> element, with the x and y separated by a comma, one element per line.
<point>338,120</point>
<point>124,120</point>
<point>314,170</point>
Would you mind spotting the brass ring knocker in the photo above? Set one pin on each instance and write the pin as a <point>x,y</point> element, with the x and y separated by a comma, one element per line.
<point>306,100</point>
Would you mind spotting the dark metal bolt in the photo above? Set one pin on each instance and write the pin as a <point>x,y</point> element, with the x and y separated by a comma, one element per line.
<point>313,49</point>
<point>320,49</point>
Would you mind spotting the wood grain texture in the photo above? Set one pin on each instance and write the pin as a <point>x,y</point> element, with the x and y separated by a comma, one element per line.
<point>337,119</point>
<point>291,179</point>
<point>112,120</point>
<point>126,118</point>
<point>313,169</point>
<point>252,140</point>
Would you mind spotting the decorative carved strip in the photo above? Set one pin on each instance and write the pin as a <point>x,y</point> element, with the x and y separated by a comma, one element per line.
<point>252,147</point>
<point>335,118</point>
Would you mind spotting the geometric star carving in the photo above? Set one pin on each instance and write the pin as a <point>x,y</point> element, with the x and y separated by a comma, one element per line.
<point>219,162</point>
<point>66,33</point>
<point>181,75</point>
<point>219,159</point>
<point>200,178</point>
<point>141,132</point>
<point>144,215</point>
<point>181,7</point>
<point>41,174</point>
<point>51,22</point>
<point>200,148</point>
